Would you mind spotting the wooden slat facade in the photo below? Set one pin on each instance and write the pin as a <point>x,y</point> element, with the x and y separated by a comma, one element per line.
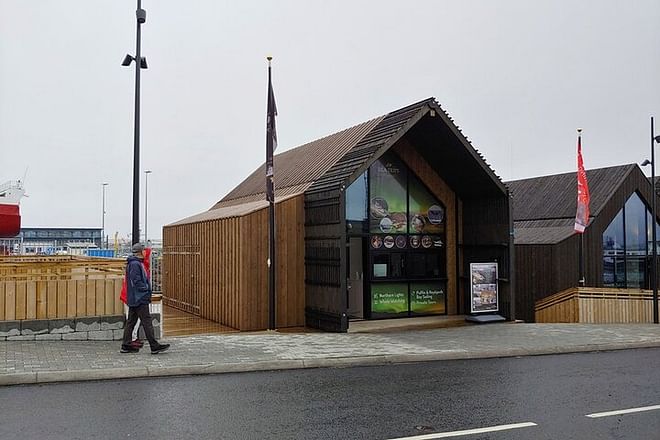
<point>59,287</point>
<point>216,269</point>
<point>545,269</point>
<point>214,262</point>
<point>325,257</point>
<point>596,306</point>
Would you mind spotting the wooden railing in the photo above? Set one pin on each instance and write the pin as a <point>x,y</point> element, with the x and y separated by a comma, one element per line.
<point>596,306</point>
<point>54,287</point>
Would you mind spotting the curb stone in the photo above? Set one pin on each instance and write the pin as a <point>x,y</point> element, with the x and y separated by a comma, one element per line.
<point>290,364</point>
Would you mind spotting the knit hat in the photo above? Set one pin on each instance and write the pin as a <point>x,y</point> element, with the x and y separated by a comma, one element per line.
<point>137,248</point>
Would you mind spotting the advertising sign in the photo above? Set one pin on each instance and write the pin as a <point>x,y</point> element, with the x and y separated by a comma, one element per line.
<point>484,294</point>
<point>427,298</point>
<point>427,215</point>
<point>389,298</point>
<point>387,207</point>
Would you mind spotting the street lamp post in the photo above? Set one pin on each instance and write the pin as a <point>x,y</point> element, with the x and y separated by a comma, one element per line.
<point>140,63</point>
<point>103,185</point>
<point>146,194</point>
<point>654,264</point>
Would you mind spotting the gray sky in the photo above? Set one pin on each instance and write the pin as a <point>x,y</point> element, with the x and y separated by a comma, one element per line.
<point>517,76</point>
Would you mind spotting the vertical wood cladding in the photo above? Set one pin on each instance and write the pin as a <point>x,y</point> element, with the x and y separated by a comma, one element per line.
<point>545,269</point>
<point>486,238</point>
<point>325,245</point>
<point>217,269</point>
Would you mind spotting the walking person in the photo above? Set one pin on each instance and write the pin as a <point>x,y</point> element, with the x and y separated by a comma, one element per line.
<point>138,296</point>
<point>123,296</point>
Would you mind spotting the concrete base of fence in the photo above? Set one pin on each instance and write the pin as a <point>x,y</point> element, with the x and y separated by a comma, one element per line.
<point>96,328</point>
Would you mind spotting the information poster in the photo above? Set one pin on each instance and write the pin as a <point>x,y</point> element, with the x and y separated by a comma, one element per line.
<point>427,214</point>
<point>484,297</point>
<point>387,207</point>
<point>427,298</point>
<point>389,298</point>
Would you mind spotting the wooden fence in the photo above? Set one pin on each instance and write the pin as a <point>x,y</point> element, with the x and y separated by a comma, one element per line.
<point>592,305</point>
<point>59,287</point>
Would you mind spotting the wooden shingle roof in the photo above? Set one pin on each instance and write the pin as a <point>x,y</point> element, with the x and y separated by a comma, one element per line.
<point>332,161</point>
<point>544,207</point>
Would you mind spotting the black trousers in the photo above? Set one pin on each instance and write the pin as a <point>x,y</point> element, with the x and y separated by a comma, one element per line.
<point>134,313</point>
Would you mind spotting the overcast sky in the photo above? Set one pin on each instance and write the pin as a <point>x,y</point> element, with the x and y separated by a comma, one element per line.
<point>517,76</point>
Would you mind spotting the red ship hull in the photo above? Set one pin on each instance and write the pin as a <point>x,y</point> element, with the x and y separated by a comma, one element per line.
<point>10,221</point>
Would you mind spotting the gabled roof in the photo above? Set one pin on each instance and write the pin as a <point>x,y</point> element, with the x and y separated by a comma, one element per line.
<point>330,162</point>
<point>544,207</point>
<point>297,169</point>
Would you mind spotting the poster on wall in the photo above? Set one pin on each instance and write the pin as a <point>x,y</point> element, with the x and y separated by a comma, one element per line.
<point>484,294</point>
<point>427,298</point>
<point>387,206</point>
<point>427,214</point>
<point>389,298</point>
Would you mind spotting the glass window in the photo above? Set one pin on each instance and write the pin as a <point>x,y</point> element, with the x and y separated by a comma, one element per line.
<point>426,213</point>
<point>427,298</point>
<point>356,200</point>
<point>388,205</point>
<point>389,298</point>
<point>625,252</point>
<point>635,213</point>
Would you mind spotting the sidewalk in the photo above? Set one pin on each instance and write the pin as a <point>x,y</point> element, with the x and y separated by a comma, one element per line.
<point>26,362</point>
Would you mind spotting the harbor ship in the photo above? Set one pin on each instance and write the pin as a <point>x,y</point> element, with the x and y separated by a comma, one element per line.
<point>10,217</point>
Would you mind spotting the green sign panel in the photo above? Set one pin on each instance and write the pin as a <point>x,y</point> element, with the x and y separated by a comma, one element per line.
<point>389,298</point>
<point>427,298</point>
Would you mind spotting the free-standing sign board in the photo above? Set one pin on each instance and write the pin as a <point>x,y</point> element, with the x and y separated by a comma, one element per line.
<point>484,293</point>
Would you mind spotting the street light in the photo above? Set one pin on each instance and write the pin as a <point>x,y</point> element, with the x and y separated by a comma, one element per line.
<point>654,268</point>
<point>141,16</point>
<point>103,185</point>
<point>146,186</point>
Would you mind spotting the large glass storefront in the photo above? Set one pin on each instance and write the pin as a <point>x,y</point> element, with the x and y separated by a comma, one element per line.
<point>403,267</point>
<point>628,246</point>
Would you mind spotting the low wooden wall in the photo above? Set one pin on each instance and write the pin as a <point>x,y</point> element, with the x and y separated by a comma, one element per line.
<point>59,287</point>
<point>592,305</point>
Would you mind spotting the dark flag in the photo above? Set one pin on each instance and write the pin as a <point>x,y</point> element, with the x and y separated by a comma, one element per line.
<point>271,137</point>
<point>582,214</point>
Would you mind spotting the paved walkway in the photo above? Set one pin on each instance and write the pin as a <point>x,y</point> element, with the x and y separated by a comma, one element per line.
<point>24,362</point>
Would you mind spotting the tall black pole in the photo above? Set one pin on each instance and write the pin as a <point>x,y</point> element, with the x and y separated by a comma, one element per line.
<point>141,17</point>
<point>512,260</point>
<point>654,279</point>
<point>270,194</point>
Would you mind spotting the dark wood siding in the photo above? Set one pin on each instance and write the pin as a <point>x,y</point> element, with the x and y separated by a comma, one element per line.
<point>544,270</point>
<point>486,238</point>
<point>325,254</point>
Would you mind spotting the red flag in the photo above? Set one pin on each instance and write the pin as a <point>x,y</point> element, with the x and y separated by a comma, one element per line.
<point>582,214</point>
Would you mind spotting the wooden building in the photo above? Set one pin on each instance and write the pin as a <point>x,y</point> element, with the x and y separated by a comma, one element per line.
<point>616,247</point>
<point>380,220</point>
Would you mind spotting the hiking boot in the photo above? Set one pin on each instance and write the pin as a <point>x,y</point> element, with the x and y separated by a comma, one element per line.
<point>128,349</point>
<point>137,343</point>
<point>160,348</point>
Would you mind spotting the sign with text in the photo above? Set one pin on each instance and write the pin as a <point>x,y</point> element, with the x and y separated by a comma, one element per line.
<point>427,298</point>
<point>389,298</point>
<point>484,292</point>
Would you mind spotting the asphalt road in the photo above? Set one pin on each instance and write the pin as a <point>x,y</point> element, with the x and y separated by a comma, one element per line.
<point>551,395</point>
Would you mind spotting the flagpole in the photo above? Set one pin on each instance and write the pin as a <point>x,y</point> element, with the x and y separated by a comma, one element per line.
<point>581,281</point>
<point>270,195</point>
<point>654,279</point>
